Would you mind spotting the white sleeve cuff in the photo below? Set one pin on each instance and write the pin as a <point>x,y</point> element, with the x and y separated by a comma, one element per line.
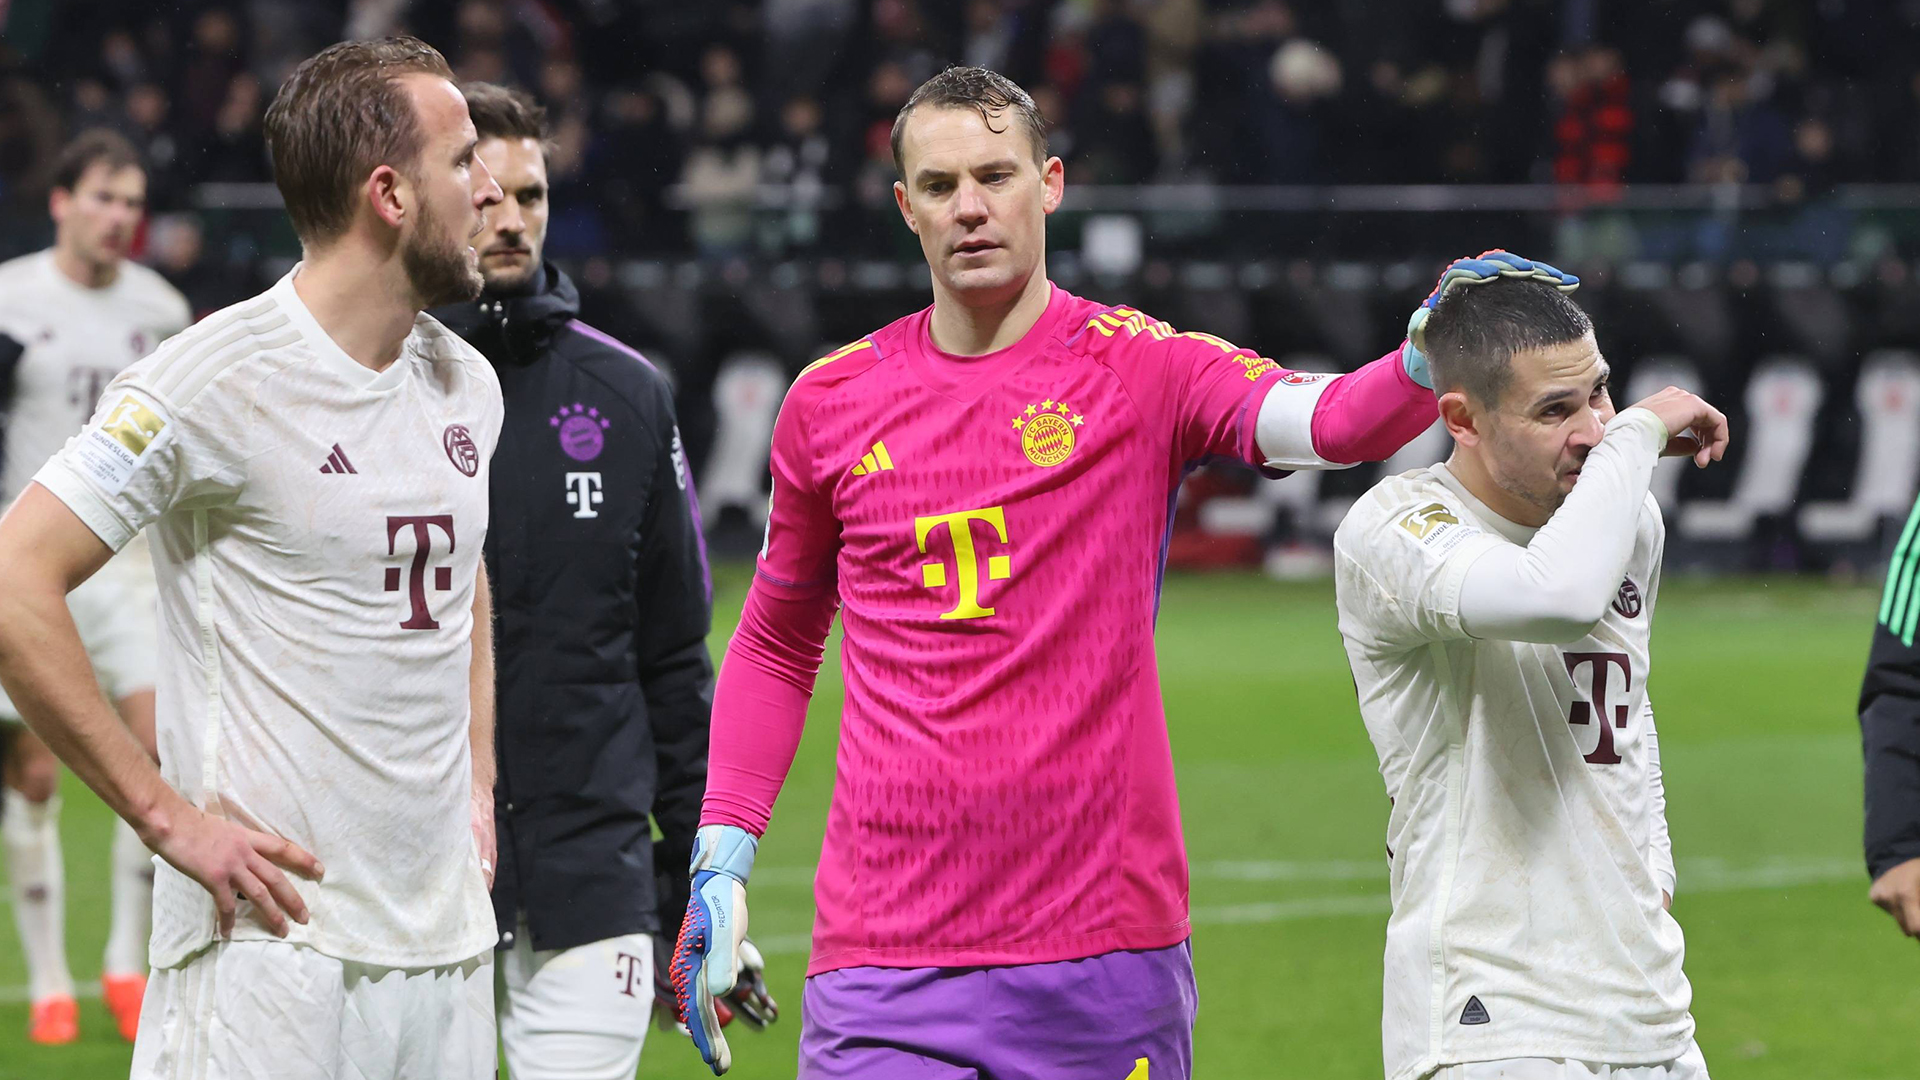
<point>1283,432</point>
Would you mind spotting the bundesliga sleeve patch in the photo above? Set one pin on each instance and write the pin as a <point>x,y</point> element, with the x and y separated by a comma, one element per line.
<point>1434,527</point>
<point>111,452</point>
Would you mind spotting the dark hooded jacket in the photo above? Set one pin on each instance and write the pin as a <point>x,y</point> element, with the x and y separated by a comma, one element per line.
<point>603,601</point>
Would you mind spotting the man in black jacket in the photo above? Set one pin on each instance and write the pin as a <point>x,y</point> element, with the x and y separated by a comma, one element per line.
<point>604,601</point>
<point>1890,738</point>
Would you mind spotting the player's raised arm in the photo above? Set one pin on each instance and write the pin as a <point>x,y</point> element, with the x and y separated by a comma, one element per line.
<point>46,550</point>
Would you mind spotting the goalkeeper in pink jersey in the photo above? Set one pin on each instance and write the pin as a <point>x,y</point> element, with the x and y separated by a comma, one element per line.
<point>984,489</point>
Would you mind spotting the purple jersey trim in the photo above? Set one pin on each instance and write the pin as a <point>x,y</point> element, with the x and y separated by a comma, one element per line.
<point>693,497</point>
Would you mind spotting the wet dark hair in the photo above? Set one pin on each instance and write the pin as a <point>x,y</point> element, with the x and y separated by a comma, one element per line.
<point>976,88</point>
<point>1475,330</point>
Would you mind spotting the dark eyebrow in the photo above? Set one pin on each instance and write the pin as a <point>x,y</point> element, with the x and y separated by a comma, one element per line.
<point>1001,165</point>
<point>467,151</point>
<point>1606,372</point>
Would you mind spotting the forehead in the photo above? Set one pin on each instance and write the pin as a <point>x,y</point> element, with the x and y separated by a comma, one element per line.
<point>951,138</point>
<point>514,162</point>
<point>439,107</point>
<point>119,179</point>
<point>1569,364</point>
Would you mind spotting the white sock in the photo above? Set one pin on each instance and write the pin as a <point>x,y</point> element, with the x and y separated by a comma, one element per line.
<point>132,903</point>
<point>32,833</point>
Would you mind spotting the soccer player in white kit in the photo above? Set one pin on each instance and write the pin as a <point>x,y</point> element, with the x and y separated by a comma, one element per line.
<point>1496,610</point>
<point>311,466</point>
<point>71,318</point>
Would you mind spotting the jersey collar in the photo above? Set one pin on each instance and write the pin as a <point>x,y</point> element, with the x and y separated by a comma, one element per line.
<point>1512,530</point>
<point>967,377</point>
<point>331,355</point>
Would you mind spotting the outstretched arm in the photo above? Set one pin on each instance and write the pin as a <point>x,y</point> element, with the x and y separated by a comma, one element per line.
<point>1333,422</point>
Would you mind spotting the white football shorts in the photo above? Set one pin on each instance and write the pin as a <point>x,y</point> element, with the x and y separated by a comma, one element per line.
<point>575,1014</point>
<point>118,623</point>
<point>1688,1066</point>
<point>241,1010</point>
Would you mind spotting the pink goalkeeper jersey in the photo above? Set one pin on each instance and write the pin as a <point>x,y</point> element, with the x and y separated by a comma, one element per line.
<point>994,530</point>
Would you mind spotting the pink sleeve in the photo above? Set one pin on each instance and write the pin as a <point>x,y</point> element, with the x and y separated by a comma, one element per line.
<point>1369,414</point>
<point>766,680</point>
<point>760,703</point>
<point>1215,389</point>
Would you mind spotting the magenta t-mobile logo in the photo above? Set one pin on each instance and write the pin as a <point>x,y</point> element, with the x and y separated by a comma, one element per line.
<point>421,618</point>
<point>626,970</point>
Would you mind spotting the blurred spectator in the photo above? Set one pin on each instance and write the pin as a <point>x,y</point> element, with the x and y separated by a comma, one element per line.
<point>1740,138</point>
<point>636,159</point>
<point>1592,133</point>
<point>722,176</point>
<point>176,246</point>
<point>235,151</point>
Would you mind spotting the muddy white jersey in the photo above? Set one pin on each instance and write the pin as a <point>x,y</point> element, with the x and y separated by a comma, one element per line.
<point>316,530</point>
<point>1527,835</point>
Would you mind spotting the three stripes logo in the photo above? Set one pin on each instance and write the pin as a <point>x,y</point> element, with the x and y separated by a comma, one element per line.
<point>873,461</point>
<point>337,462</point>
<point>1900,602</point>
<point>1475,1013</point>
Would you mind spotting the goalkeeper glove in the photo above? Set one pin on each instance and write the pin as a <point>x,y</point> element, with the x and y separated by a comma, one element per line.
<point>1482,268</point>
<point>712,949</point>
<point>751,1002</point>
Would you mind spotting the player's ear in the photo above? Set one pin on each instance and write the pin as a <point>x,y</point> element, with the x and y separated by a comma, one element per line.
<point>1053,174</point>
<point>1457,412</point>
<point>387,191</point>
<point>906,210</point>
<point>57,201</point>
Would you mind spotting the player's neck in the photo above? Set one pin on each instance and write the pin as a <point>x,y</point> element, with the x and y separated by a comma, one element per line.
<point>1473,475</point>
<point>364,313</point>
<point>85,272</point>
<point>975,330</point>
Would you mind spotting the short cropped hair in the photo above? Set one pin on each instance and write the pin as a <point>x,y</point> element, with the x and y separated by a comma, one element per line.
<point>984,91</point>
<point>1475,330</point>
<point>502,112</point>
<point>340,115</point>
<point>96,146</point>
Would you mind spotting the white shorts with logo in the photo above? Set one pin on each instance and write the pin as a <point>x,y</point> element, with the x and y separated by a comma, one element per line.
<point>1688,1066</point>
<point>114,612</point>
<point>575,1014</point>
<point>243,1010</point>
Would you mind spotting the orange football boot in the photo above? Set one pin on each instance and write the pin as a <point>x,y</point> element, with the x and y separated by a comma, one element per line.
<point>123,994</point>
<point>55,1021</point>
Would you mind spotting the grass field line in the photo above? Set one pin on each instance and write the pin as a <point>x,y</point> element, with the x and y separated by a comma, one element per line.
<point>1697,874</point>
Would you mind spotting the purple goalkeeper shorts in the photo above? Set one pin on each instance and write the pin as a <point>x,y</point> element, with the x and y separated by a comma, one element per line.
<point>1091,1019</point>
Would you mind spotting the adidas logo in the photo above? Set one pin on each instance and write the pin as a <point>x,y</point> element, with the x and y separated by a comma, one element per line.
<point>1475,1013</point>
<point>875,460</point>
<point>337,462</point>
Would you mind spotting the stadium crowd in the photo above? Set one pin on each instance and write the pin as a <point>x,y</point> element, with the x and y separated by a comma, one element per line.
<point>674,121</point>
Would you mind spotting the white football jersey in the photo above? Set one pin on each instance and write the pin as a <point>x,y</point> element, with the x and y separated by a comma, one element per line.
<point>316,531</point>
<point>75,340</point>
<point>1527,839</point>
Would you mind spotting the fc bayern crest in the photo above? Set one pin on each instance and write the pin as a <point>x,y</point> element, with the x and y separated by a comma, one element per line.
<point>582,431</point>
<point>1628,603</point>
<point>460,449</point>
<point>1047,431</point>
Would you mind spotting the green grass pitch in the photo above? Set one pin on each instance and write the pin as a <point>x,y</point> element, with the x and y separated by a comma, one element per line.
<point>1794,974</point>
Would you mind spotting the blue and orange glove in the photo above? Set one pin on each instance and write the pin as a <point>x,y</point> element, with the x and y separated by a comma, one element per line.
<point>713,961</point>
<point>1482,268</point>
